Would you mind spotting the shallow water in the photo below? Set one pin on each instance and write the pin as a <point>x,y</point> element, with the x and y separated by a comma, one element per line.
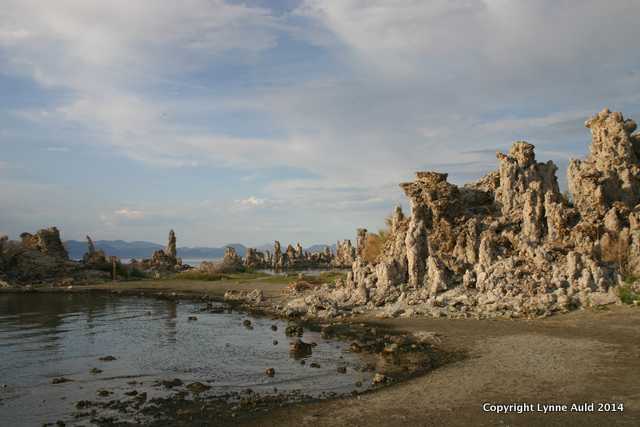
<point>44,336</point>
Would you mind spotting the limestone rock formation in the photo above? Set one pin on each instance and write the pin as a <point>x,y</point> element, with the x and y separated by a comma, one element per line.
<point>94,257</point>
<point>345,254</point>
<point>509,244</point>
<point>171,250</point>
<point>255,259</point>
<point>36,258</point>
<point>231,263</point>
<point>611,172</point>
<point>166,259</point>
<point>47,241</point>
<point>294,257</point>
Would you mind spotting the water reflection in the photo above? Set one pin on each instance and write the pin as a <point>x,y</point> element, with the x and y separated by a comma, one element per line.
<point>43,336</point>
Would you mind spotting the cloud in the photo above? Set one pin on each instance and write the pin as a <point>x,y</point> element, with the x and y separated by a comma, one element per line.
<point>58,149</point>
<point>390,87</point>
<point>251,202</point>
<point>131,214</point>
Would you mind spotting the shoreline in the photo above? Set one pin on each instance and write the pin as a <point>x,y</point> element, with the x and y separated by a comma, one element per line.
<point>410,357</point>
<point>579,357</point>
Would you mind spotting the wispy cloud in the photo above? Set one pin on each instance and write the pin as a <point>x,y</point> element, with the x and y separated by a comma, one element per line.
<point>130,213</point>
<point>353,95</point>
<point>251,202</point>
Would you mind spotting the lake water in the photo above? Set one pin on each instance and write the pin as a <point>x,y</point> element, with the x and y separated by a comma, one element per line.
<point>45,336</point>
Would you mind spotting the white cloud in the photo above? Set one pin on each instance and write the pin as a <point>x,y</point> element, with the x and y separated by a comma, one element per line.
<point>417,85</point>
<point>130,213</point>
<point>251,201</point>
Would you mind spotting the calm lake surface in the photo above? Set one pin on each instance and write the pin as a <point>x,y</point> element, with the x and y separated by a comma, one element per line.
<point>46,336</point>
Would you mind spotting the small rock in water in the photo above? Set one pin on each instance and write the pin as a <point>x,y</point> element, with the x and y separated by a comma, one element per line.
<point>274,328</point>
<point>95,371</point>
<point>300,348</point>
<point>192,318</point>
<point>342,370</point>
<point>104,393</point>
<point>315,365</point>
<point>355,347</point>
<point>107,359</point>
<point>247,324</point>
<point>294,330</point>
<point>358,383</point>
<point>131,393</point>
<point>60,380</point>
<point>379,379</point>
<point>270,372</point>
<point>275,342</point>
<point>83,404</point>
<point>176,382</point>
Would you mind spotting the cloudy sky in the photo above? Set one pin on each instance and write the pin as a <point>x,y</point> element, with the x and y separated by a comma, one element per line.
<point>248,121</point>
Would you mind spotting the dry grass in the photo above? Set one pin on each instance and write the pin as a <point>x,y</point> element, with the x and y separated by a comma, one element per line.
<point>616,251</point>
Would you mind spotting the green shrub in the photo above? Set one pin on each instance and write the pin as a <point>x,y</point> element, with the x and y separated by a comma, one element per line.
<point>627,294</point>
<point>135,273</point>
<point>200,275</point>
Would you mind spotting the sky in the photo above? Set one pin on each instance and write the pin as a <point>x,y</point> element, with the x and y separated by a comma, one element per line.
<point>250,121</point>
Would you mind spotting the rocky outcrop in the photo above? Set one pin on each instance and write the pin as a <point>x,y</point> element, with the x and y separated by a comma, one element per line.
<point>46,241</point>
<point>41,258</point>
<point>361,241</point>
<point>293,258</point>
<point>611,172</point>
<point>345,254</point>
<point>163,262</point>
<point>231,263</point>
<point>254,259</point>
<point>509,244</point>
<point>94,257</point>
<point>166,258</point>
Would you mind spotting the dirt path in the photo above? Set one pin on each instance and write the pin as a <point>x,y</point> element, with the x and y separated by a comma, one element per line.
<point>587,356</point>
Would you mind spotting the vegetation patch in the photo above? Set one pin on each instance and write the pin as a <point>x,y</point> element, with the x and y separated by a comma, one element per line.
<point>628,295</point>
<point>201,275</point>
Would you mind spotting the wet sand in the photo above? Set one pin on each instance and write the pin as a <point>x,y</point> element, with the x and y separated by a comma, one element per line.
<point>584,356</point>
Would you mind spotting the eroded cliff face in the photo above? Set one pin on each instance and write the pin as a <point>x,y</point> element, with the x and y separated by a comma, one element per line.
<point>35,258</point>
<point>509,244</point>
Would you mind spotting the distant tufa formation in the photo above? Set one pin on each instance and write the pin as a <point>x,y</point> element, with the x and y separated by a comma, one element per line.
<point>296,258</point>
<point>41,257</point>
<point>163,260</point>
<point>509,244</point>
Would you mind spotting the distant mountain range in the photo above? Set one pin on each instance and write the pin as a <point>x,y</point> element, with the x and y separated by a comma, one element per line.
<point>140,250</point>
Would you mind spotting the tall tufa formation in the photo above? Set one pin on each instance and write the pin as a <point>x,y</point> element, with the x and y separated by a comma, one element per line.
<point>171,250</point>
<point>345,254</point>
<point>94,257</point>
<point>47,241</point>
<point>166,259</point>
<point>509,244</point>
